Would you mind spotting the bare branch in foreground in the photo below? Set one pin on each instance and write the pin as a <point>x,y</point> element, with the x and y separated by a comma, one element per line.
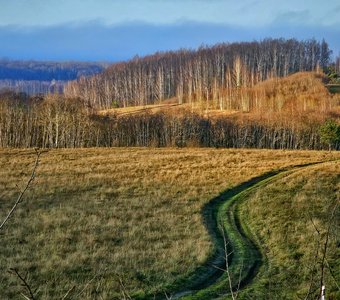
<point>234,294</point>
<point>20,197</point>
<point>324,254</point>
<point>68,292</point>
<point>24,284</point>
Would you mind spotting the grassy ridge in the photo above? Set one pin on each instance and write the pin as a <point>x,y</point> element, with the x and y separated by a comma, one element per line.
<point>110,214</point>
<point>282,215</point>
<point>248,252</point>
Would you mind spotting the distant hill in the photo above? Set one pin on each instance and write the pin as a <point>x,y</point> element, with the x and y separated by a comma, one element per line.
<point>34,77</point>
<point>296,93</point>
<point>207,74</point>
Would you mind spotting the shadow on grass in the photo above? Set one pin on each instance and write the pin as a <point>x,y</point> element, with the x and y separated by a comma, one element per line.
<point>212,271</point>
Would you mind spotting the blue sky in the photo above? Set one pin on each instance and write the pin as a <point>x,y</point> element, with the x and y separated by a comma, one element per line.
<point>119,29</point>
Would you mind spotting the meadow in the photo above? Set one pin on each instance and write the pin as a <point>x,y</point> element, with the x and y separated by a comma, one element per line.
<point>297,221</point>
<point>107,223</point>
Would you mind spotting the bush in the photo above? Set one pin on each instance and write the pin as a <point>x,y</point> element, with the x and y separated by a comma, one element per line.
<point>330,134</point>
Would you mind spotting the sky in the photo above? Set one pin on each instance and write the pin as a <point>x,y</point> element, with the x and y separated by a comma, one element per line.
<point>114,30</point>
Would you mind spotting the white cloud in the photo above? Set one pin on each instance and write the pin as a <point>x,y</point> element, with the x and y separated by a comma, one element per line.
<point>233,12</point>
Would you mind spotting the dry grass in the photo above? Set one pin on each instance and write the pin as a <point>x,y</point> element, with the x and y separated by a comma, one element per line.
<point>152,108</point>
<point>303,95</point>
<point>282,215</point>
<point>301,91</point>
<point>133,213</point>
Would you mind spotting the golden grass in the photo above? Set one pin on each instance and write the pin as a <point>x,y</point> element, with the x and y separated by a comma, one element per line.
<point>303,95</point>
<point>133,213</point>
<point>151,108</point>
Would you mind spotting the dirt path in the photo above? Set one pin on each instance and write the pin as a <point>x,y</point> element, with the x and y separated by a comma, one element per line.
<point>209,282</point>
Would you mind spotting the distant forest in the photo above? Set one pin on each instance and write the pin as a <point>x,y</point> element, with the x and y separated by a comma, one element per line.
<point>264,105</point>
<point>34,77</point>
<point>298,113</point>
<point>46,71</point>
<point>56,122</point>
<point>216,73</point>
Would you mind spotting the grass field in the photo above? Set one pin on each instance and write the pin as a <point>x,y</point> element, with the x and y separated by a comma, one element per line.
<point>287,224</point>
<point>101,219</point>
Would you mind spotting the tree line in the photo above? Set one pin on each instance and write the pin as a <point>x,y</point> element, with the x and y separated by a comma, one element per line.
<point>33,87</point>
<point>46,71</point>
<point>57,122</point>
<point>209,73</point>
<point>34,77</point>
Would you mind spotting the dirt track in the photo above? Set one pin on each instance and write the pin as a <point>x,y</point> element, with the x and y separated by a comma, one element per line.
<point>209,282</point>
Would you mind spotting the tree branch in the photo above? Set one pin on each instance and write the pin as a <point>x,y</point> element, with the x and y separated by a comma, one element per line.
<point>234,294</point>
<point>326,245</point>
<point>20,197</point>
<point>24,284</point>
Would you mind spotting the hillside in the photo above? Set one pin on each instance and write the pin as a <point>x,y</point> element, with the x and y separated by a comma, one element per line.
<point>296,218</point>
<point>297,93</point>
<point>207,74</point>
<point>113,220</point>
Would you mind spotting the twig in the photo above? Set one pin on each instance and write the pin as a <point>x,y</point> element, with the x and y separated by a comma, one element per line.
<point>226,262</point>
<point>25,296</point>
<point>123,290</point>
<point>316,228</point>
<point>313,268</point>
<point>87,284</point>
<point>24,284</point>
<point>239,280</point>
<point>325,247</point>
<point>68,292</point>
<point>332,274</point>
<point>20,197</point>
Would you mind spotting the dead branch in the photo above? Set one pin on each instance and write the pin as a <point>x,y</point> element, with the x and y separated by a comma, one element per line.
<point>24,284</point>
<point>324,261</point>
<point>310,291</point>
<point>20,197</point>
<point>99,274</point>
<point>124,292</point>
<point>325,247</point>
<point>234,294</point>
<point>68,292</point>
<point>332,274</point>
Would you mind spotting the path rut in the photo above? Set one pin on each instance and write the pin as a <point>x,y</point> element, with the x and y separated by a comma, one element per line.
<point>207,282</point>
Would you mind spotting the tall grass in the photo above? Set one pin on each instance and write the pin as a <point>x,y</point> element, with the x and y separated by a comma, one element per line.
<point>98,216</point>
<point>286,216</point>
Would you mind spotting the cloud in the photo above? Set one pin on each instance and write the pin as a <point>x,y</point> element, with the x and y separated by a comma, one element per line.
<point>95,41</point>
<point>294,17</point>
